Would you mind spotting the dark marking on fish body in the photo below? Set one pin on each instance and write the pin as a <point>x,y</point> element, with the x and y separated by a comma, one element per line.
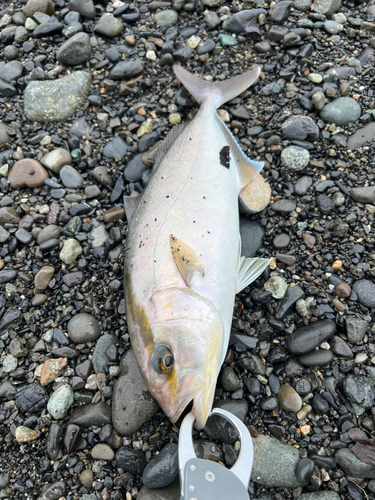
<point>225,156</point>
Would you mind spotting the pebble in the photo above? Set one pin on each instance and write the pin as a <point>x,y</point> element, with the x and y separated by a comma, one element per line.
<point>70,251</point>
<point>320,495</point>
<point>83,328</point>
<point>171,492</point>
<point>60,402</point>
<point>102,451</point>
<point>51,369</point>
<point>229,379</point>
<point>289,399</point>
<point>76,50</point>
<point>304,469</point>
<point>109,25</point>
<point>129,460</point>
<point>54,440</point>
<point>362,136</point>
<point>295,158</point>
<point>27,173</point>
<point>277,286</point>
<point>44,277</point>
<point>318,357</point>
<point>24,434</point>
<point>166,17</point>
<point>56,159</point>
<point>33,397</point>
<point>355,329</point>
<point>87,478</point>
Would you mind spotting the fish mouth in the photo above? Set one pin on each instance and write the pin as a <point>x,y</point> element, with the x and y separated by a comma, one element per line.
<point>200,403</point>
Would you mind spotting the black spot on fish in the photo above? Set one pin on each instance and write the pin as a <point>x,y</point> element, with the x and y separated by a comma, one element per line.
<point>225,156</point>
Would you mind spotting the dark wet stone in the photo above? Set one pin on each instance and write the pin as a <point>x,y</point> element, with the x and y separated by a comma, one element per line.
<point>352,466</point>
<point>115,147</point>
<point>91,414</point>
<point>304,469</point>
<point>11,71</point>
<point>242,342</point>
<point>182,54</point>
<point>83,328</point>
<point>125,70</point>
<point>65,352</point>
<point>274,384</point>
<point>147,141</point>
<point>320,405</point>
<point>52,491</point>
<point>268,404</point>
<point>76,50</point>
<point>129,460</point>
<point>220,429</point>
<point>162,469</point>
<point>47,29</point>
<point>355,329</point>
<point>53,440</point>
<point>207,47</point>
<point>85,7</point>
<point>307,338</point>
<point>239,20</point>
<point>325,204</point>
<point>286,305</point>
<point>341,348</point>
<point>301,128</point>
<point>74,279</point>
<point>327,463</point>
<point>71,437</point>
<point>32,399</point>
<point>252,235</point>
<point>316,358</point>
<point>359,390</point>
<point>132,404</point>
<point>7,90</point>
<point>100,359</point>
<point>11,319</point>
<point>281,241</point>
<point>279,12</point>
<point>365,290</point>
<point>253,386</point>
<point>134,169</point>
<point>7,275</point>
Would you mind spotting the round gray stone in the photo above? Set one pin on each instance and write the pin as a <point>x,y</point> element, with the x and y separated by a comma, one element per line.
<point>295,158</point>
<point>76,50</point>
<point>83,328</point>
<point>341,111</point>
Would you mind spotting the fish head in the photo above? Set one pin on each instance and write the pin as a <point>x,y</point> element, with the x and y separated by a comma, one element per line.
<point>181,364</point>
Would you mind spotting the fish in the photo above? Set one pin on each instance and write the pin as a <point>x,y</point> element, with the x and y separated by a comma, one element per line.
<point>183,263</point>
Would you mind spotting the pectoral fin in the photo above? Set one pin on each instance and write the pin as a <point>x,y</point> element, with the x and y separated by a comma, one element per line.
<point>186,261</point>
<point>248,271</point>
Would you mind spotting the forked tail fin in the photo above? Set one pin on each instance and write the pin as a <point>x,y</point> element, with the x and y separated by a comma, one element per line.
<point>218,92</point>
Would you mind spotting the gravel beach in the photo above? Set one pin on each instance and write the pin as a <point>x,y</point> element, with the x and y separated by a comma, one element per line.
<point>87,94</point>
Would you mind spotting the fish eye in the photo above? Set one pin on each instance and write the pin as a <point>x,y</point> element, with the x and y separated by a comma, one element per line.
<point>163,360</point>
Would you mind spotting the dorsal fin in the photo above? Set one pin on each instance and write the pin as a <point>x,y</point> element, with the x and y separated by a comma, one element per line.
<point>166,144</point>
<point>246,169</point>
<point>186,261</point>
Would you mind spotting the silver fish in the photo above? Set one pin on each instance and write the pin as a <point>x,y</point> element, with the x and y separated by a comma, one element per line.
<point>183,265</point>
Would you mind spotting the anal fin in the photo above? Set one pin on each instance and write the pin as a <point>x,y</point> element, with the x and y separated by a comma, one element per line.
<point>249,269</point>
<point>186,260</point>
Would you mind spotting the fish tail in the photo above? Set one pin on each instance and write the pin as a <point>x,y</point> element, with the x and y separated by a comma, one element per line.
<point>217,92</point>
